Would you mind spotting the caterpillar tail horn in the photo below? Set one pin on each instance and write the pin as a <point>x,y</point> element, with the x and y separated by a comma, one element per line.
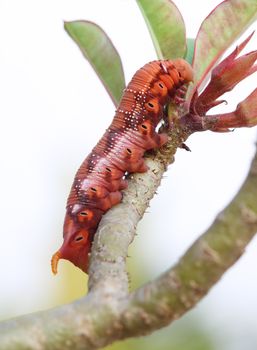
<point>54,261</point>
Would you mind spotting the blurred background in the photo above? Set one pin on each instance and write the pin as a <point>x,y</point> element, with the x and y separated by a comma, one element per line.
<point>53,110</point>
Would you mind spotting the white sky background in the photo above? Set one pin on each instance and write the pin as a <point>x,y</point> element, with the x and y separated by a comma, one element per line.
<point>53,110</point>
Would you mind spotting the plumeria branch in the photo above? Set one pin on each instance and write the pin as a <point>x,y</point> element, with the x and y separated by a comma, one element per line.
<point>108,312</point>
<point>181,287</point>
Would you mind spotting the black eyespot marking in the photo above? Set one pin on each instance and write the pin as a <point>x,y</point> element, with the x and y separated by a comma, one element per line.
<point>129,151</point>
<point>108,169</point>
<point>93,189</point>
<point>150,104</point>
<point>83,213</point>
<point>79,238</point>
<point>161,86</point>
<point>144,126</point>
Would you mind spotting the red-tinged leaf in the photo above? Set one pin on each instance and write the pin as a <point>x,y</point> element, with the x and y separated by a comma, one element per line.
<point>224,78</point>
<point>98,49</point>
<point>247,110</point>
<point>245,115</point>
<point>218,70</point>
<point>217,32</point>
<point>216,103</point>
<point>166,26</point>
<point>252,70</point>
<point>235,72</point>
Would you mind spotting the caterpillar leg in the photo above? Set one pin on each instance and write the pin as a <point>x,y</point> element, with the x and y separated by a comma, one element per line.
<point>156,140</point>
<point>123,184</point>
<point>115,197</point>
<point>142,168</point>
<point>163,138</point>
<point>109,201</point>
<point>180,95</point>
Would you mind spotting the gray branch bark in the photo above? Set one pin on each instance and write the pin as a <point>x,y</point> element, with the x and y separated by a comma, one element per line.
<point>108,312</point>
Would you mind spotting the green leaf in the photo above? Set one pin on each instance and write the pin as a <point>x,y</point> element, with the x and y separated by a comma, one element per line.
<point>218,31</point>
<point>166,26</point>
<point>190,50</point>
<point>98,49</point>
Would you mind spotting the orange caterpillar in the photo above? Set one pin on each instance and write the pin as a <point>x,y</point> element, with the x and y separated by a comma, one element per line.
<point>98,183</point>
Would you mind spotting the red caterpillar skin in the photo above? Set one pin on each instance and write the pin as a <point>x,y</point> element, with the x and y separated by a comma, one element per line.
<point>98,183</point>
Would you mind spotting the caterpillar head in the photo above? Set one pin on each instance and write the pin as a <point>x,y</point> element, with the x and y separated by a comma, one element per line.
<point>184,69</point>
<point>78,224</point>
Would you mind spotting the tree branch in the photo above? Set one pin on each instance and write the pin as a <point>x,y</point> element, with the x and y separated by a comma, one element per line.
<point>118,226</point>
<point>108,313</point>
<point>181,287</point>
